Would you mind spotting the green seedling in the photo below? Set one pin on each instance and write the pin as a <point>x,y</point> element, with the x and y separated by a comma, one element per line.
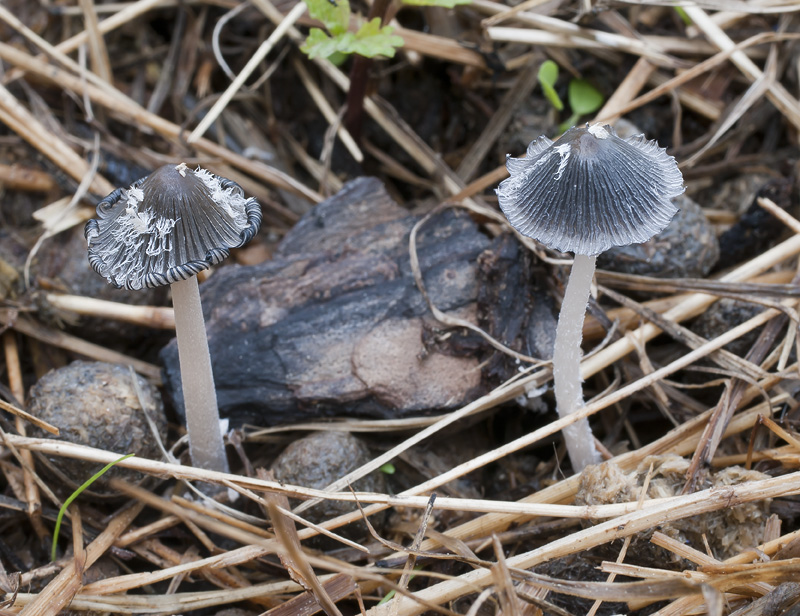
<point>390,595</point>
<point>583,99</point>
<point>388,469</point>
<point>75,495</point>
<point>683,15</point>
<point>369,40</point>
<point>582,96</point>
<point>548,75</point>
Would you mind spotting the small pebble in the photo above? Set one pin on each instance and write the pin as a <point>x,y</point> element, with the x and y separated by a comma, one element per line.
<point>724,315</point>
<point>318,460</point>
<point>96,404</point>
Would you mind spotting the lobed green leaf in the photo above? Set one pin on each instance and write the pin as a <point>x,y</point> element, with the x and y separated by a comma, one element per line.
<point>335,15</point>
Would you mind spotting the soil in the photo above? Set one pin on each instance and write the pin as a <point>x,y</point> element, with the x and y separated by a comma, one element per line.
<point>369,192</point>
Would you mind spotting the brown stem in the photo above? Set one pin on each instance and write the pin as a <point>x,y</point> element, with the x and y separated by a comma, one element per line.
<point>359,78</point>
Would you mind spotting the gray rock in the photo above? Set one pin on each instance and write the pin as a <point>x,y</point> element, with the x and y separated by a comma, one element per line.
<point>319,459</point>
<point>96,404</point>
<point>687,248</point>
<point>722,316</point>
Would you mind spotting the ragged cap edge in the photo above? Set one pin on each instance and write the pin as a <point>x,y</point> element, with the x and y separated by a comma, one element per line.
<point>591,190</point>
<point>131,245</point>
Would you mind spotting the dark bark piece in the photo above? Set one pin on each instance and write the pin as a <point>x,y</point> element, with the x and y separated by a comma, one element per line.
<point>514,306</point>
<point>334,324</point>
<point>757,229</point>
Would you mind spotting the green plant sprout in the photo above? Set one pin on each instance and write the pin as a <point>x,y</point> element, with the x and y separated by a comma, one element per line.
<point>390,595</point>
<point>547,76</point>
<point>583,97</point>
<point>370,40</point>
<point>683,15</point>
<point>388,468</point>
<point>75,495</point>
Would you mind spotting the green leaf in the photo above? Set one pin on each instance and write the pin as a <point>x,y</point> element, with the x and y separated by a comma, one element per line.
<point>448,4</point>
<point>547,76</point>
<point>387,468</point>
<point>584,97</point>
<point>548,73</point>
<point>371,40</point>
<point>335,15</point>
<point>75,495</point>
<point>319,44</point>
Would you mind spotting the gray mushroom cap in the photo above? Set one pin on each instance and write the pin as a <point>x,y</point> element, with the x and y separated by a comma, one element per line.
<point>169,226</point>
<point>591,190</point>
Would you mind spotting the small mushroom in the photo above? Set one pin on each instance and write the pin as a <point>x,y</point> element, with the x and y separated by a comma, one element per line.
<point>587,192</point>
<point>165,229</point>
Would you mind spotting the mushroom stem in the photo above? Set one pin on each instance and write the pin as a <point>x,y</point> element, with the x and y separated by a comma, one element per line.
<point>206,448</point>
<point>567,362</point>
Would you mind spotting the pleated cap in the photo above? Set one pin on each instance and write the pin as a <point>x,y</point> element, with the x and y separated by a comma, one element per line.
<point>591,190</point>
<point>169,226</point>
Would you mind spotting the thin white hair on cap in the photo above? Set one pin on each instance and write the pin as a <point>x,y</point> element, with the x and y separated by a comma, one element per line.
<point>169,226</point>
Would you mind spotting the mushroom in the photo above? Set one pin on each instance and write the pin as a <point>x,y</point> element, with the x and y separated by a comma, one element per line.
<point>585,193</point>
<point>165,229</point>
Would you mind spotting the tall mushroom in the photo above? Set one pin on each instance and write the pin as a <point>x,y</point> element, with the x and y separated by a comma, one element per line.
<point>585,193</point>
<point>165,229</point>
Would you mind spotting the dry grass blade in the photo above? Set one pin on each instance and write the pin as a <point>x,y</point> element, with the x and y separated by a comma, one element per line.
<point>58,338</point>
<point>678,508</point>
<point>101,65</point>
<point>127,14</point>
<point>156,317</point>
<point>293,559</point>
<point>17,387</point>
<point>780,432</point>
<point>15,177</point>
<point>411,560</point>
<point>327,111</point>
<point>509,602</point>
<point>245,73</point>
<point>668,587</point>
<point>39,423</point>
<point>719,288</point>
<point>406,499</point>
<point>753,94</point>
<point>337,587</point>
<point>522,88</point>
<point>59,592</point>
<point>137,114</point>
<point>14,115</point>
<point>777,94</point>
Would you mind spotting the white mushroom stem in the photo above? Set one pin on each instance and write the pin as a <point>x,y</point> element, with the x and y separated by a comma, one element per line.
<point>199,397</point>
<point>567,363</point>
